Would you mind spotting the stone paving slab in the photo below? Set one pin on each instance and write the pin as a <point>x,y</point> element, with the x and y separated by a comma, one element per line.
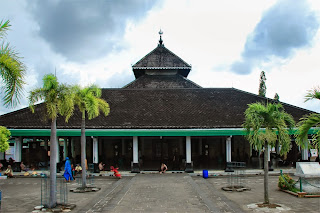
<point>255,195</point>
<point>154,192</point>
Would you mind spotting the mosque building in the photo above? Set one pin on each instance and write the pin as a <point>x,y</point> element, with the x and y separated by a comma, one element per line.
<point>161,116</point>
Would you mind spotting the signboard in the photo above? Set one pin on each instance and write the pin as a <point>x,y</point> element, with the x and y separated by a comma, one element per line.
<point>314,152</point>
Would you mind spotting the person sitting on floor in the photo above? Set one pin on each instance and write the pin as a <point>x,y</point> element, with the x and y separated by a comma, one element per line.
<point>101,166</point>
<point>115,171</point>
<point>163,168</point>
<point>23,167</point>
<point>78,169</point>
<point>9,172</point>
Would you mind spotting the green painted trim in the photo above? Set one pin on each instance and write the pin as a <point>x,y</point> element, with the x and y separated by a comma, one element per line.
<point>135,132</point>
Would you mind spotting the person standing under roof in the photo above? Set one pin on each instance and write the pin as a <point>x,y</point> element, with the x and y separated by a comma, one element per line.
<point>67,170</point>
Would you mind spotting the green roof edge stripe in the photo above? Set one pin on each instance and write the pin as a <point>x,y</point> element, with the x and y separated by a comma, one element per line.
<point>135,132</point>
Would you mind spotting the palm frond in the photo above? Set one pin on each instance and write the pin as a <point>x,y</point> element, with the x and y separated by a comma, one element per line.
<point>313,94</point>
<point>66,101</point>
<point>92,107</point>
<point>316,139</point>
<point>104,106</point>
<point>12,72</point>
<point>35,96</point>
<point>88,100</point>
<point>305,124</point>
<point>4,26</point>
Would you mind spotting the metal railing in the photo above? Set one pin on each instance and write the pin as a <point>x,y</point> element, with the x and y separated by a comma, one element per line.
<point>61,191</point>
<point>236,174</point>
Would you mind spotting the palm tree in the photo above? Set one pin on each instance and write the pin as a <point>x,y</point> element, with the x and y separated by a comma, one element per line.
<point>262,84</point>
<point>265,124</point>
<point>12,70</point>
<point>89,102</point>
<point>309,121</point>
<point>58,99</point>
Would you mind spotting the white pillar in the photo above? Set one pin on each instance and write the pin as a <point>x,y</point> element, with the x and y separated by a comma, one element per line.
<point>72,148</point>
<point>135,149</point>
<point>65,148</point>
<point>269,151</point>
<point>17,149</point>
<point>188,149</point>
<point>228,149</point>
<point>58,149</point>
<point>95,150</point>
<point>304,152</point>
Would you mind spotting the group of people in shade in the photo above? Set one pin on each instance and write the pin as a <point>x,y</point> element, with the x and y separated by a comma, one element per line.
<point>8,165</point>
<point>115,170</point>
<point>70,172</point>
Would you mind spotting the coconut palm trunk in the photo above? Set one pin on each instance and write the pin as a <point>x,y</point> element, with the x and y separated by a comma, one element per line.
<point>83,150</point>
<point>53,163</point>
<point>266,170</point>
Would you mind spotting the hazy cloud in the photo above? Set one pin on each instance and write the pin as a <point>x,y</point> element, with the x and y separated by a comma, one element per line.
<point>285,27</point>
<point>81,30</point>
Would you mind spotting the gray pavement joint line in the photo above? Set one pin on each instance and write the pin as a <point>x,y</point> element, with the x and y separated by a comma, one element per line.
<point>130,184</point>
<point>209,204</point>
<point>232,205</point>
<point>113,187</point>
<point>119,196</point>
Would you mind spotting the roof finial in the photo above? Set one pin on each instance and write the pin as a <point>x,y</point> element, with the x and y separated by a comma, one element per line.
<point>160,41</point>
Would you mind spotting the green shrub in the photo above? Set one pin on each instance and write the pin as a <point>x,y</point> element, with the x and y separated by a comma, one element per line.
<point>286,182</point>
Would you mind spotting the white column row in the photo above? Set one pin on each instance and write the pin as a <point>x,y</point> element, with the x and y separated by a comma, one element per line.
<point>18,149</point>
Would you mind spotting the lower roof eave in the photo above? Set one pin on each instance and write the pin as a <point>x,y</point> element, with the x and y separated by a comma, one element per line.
<point>130,132</point>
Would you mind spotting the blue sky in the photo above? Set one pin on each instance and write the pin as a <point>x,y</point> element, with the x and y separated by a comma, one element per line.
<point>227,43</point>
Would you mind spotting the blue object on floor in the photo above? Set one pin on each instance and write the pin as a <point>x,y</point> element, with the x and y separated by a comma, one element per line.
<point>205,174</point>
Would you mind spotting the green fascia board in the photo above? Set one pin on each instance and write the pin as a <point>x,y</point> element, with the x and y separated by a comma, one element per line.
<point>135,132</point>
<point>128,132</point>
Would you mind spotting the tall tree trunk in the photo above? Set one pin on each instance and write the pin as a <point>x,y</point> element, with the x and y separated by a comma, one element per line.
<point>53,164</point>
<point>83,150</point>
<point>266,170</point>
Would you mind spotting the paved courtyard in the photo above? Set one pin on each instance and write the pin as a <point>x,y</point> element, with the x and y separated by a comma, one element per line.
<point>171,192</point>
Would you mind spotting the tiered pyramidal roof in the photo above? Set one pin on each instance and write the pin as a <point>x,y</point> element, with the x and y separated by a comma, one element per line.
<point>161,68</point>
